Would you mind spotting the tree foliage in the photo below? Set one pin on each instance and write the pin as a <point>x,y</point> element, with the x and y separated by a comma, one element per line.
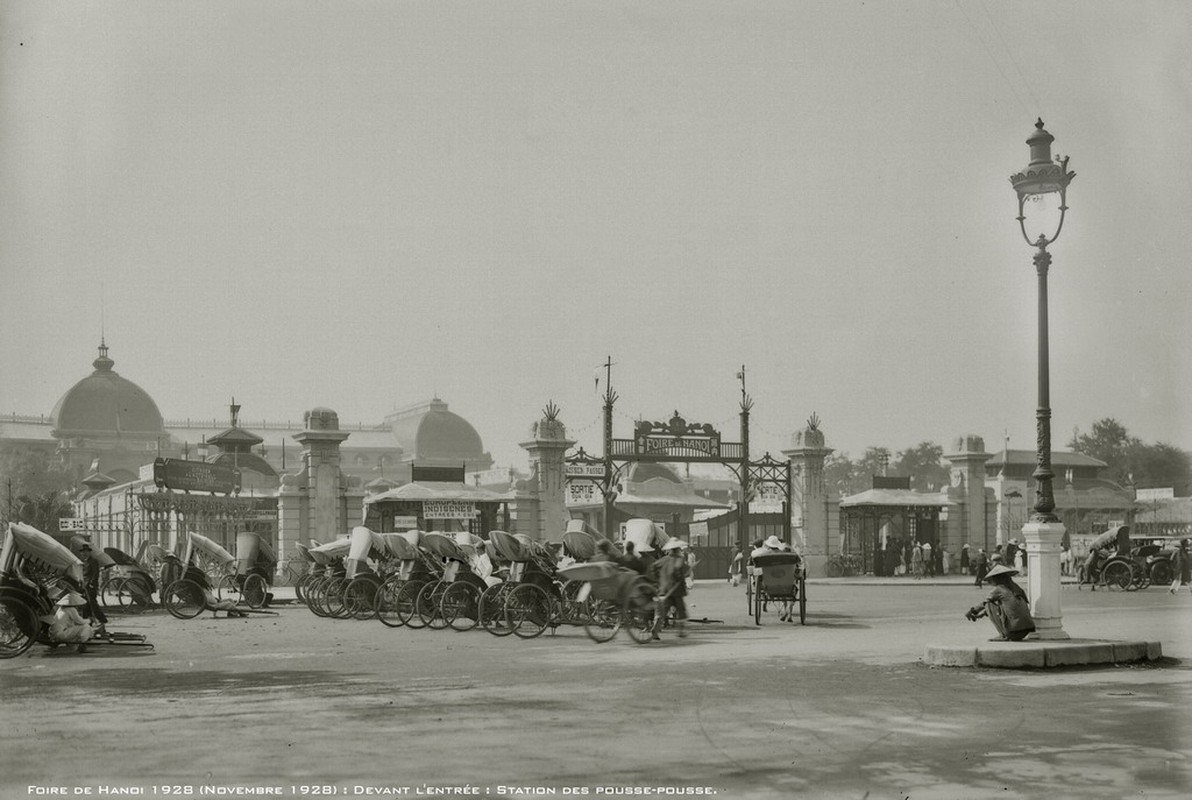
<point>923,463</point>
<point>1131,461</point>
<point>33,489</point>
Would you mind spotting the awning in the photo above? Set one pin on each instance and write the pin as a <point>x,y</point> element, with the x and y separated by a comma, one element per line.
<point>417,492</point>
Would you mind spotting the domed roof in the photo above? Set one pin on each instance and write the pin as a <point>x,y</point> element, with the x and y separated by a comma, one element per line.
<point>642,471</point>
<point>106,402</point>
<point>429,432</point>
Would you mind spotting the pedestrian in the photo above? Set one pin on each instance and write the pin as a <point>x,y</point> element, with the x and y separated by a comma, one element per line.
<point>734,567</point>
<point>928,560</point>
<point>917,560</point>
<point>1020,561</point>
<point>945,561</point>
<point>1006,606</point>
<point>1066,561</point>
<point>1181,567</point>
<point>964,559</point>
<point>672,587</point>
<point>1010,553</point>
<point>980,567</point>
<point>998,556</point>
<point>691,562</point>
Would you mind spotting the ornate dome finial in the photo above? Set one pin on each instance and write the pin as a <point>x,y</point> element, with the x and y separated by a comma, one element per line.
<point>103,363</point>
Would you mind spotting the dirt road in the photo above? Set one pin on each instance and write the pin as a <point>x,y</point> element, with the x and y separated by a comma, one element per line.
<point>841,707</point>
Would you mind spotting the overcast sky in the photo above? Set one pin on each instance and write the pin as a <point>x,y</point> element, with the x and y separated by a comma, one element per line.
<point>363,205</point>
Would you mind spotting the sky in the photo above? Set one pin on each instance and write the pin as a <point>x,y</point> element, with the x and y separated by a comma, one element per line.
<point>363,205</point>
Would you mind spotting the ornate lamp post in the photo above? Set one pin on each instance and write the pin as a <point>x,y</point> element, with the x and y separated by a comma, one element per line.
<point>1042,190</point>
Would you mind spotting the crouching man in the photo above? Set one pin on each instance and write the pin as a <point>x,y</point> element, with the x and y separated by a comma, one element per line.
<point>1006,606</point>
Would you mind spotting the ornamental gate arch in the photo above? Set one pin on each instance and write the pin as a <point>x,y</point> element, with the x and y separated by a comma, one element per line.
<point>679,441</point>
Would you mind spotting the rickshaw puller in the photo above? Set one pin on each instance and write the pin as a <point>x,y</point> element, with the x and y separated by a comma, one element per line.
<point>672,587</point>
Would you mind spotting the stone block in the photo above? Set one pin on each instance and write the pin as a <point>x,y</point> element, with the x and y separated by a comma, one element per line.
<point>1124,652</point>
<point>1011,655</point>
<point>1077,654</point>
<point>947,656</point>
<point>1154,651</point>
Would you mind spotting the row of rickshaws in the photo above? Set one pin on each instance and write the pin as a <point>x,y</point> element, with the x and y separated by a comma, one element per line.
<point>435,580</point>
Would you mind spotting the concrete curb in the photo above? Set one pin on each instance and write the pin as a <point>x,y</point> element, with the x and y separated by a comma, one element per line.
<point>1037,654</point>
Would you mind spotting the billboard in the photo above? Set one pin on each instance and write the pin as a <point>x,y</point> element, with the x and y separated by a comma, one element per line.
<point>195,476</point>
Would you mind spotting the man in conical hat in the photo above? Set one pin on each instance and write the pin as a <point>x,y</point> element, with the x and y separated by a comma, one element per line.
<point>68,625</point>
<point>1006,606</point>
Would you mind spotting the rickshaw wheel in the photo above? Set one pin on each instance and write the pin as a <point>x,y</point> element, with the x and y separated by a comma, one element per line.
<point>360,596</point>
<point>528,611</point>
<point>802,601</point>
<point>428,605</point>
<point>226,587</point>
<point>407,603</point>
<point>385,605</point>
<point>300,586</point>
<point>312,593</point>
<point>1141,578</point>
<point>123,594</point>
<point>184,599</point>
<point>749,594</point>
<point>256,591</point>
<point>1117,574</point>
<point>334,601</point>
<point>638,611</point>
<point>1161,573</point>
<point>458,606</point>
<point>15,622</point>
<point>603,620</point>
<point>108,594</point>
<point>492,609</point>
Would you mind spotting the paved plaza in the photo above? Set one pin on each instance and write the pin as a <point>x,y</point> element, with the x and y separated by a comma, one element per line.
<point>841,707</point>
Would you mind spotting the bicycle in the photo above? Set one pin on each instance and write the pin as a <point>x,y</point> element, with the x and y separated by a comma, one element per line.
<point>842,565</point>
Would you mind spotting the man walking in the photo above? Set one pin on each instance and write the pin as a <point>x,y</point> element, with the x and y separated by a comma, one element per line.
<point>672,587</point>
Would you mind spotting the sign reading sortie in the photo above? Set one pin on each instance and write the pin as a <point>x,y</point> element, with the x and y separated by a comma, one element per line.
<point>447,509</point>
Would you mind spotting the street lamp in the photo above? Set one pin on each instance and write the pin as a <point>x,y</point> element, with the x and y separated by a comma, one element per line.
<point>1042,190</point>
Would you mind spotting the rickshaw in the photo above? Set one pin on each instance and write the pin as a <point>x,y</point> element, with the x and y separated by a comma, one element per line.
<point>397,597</point>
<point>454,599</point>
<point>126,584</point>
<point>35,571</point>
<point>530,599</point>
<point>782,578</point>
<point>324,594</point>
<point>363,579</point>
<point>195,592</point>
<point>613,597</point>
<point>256,562</point>
<point>1116,569</point>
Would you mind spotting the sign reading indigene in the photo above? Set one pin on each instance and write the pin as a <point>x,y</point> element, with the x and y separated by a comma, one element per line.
<point>447,509</point>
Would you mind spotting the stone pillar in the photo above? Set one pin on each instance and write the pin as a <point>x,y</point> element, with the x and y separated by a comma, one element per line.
<point>1043,540</point>
<point>968,488</point>
<point>809,500</point>
<point>546,447</point>
<point>319,502</point>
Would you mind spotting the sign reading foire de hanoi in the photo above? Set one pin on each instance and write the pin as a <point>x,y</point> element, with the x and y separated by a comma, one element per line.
<point>195,476</point>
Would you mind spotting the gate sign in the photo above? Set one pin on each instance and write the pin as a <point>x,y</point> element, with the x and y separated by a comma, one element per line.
<point>662,438</point>
<point>447,509</point>
<point>71,524</point>
<point>585,470</point>
<point>195,476</point>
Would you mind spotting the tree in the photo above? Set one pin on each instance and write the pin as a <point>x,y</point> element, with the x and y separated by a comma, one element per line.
<point>28,479</point>
<point>924,465</point>
<point>840,475</point>
<point>1133,462</point>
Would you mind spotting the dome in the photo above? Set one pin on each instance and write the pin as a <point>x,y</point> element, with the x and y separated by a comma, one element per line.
<point>429,432</point>
<point>107,403</point>
<point>642,471</point>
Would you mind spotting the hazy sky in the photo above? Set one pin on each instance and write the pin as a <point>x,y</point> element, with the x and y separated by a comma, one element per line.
<point>362,205</point>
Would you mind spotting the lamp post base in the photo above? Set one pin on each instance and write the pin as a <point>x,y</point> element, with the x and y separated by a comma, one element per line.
<point>1043,545</point>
